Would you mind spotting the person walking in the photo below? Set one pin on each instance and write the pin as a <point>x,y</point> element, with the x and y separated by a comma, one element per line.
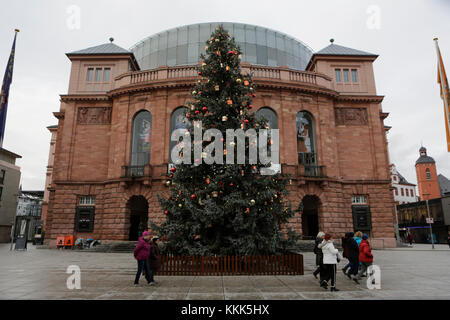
<point>365,256</point>
<point>357,237</point>
<point>154,259</point>
<point>410,238</point>
<point>448,239</point>
<point>331,257</point>
<point>141,254</point>
<point>353,257</point>
<point>345,241</point>
<point>319,256</point>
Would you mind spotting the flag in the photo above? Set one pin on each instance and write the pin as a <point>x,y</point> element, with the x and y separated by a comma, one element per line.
<point>7,79</point>
<point>443,82</point>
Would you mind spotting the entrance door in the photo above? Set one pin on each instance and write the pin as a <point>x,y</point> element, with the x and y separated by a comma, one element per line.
<point>138,208</point>
<point>310,217</point>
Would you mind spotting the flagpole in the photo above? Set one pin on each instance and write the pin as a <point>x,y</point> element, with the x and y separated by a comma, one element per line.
<point>444,91</point>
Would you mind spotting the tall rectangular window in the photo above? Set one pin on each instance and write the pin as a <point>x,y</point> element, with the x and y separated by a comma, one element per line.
<point>402,192</point>
<point>338,75</point>
<point>396,191</point>
<point>98,74</point>
<point>407,192</point>
<point>106,74</point>
<point>354,76</point>
<point>90,73</point>
<point>346,78</point>
<point>2,176</point>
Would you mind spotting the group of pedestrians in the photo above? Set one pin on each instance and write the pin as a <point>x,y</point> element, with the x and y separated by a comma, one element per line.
<point>148,258</point>
<point>356,249</point>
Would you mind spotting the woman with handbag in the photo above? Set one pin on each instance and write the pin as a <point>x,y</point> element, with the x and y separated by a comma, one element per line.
<point>331,257</point>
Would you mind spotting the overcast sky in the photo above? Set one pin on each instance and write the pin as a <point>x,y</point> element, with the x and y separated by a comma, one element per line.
<point>401,32</point>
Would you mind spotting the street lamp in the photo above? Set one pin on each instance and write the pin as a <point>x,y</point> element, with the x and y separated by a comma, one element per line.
<point>429,221</point>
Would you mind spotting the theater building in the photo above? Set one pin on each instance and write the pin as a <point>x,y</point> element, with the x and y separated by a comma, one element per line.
<point>112,142</point>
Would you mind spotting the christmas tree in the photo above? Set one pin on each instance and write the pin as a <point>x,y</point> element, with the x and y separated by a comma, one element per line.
<point>221,208</point>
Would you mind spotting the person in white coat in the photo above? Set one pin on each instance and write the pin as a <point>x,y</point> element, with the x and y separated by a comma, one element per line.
<point>331,257</point>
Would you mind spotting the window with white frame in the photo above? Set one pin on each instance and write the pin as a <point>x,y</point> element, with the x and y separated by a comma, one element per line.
<point>359,199</point>
<point>86,201</point>
<point>98,74</point>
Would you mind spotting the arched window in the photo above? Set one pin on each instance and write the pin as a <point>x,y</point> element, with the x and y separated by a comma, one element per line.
<point>269,115</point>
<point>305,138</point>
<point>178,120</point>
<point>427,172</point>
<point>141,138</point>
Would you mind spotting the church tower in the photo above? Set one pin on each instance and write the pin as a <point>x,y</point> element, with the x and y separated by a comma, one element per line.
<point>427,179</point>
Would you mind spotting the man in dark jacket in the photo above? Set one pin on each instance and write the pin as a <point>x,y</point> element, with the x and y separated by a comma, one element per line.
<point>353,257</point>
<point>154,259</point>
<point>345,241</point>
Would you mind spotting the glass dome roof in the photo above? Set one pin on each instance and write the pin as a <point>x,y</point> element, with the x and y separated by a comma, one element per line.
<point>183,46</point>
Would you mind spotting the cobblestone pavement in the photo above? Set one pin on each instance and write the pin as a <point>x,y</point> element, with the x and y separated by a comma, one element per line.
<point>406,273</point>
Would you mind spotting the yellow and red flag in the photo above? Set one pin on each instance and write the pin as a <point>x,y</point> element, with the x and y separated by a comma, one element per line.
<point>443,82</point>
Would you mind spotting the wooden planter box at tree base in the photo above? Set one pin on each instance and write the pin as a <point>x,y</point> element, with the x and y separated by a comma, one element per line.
<point>286,264</point>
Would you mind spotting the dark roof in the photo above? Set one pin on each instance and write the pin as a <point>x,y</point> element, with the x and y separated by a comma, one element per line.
<point>402,180</point>
<point>36,193</point>
<point>444,184</point>
<point>425,159</point>
<point>52,127</point>
<point>9,153</point>
<point>106,48</point>
<point>337,50</point>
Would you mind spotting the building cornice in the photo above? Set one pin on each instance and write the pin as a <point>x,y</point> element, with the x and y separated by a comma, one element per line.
<point>84,97</point>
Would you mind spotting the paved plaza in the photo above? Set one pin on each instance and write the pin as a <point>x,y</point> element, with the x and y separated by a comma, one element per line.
<point>406,273</point>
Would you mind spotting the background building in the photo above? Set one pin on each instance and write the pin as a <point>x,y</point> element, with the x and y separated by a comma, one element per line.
<point>9,188</point>
<point>444,185</point>
<point>29,211</point>
<point>413,217</point>
<point>404,191</point>
<point>48,176</point>
<point>427,179</point>
<point>112,149</point>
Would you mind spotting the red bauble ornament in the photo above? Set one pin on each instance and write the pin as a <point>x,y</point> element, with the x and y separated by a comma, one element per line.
<point>231,184</point>
<point>166,212</point>
<point>171,176</point>
<point>250,106</point>
<point>193,196</point>
<point>173,169</point>
<point>196,111</point>
<point>230,52</point>
<point>205,109</point>
<point>199,73</point>
<point>246,120</point>
<point>207,181</point>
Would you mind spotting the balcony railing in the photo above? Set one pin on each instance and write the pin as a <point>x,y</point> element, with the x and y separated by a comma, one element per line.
<point>190,72</point>
<point>314,171</point>
<point>309,161</point>
<point>307,158</point>
<point>133,171</point>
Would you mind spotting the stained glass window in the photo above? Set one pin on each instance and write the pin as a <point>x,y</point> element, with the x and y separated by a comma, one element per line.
<point>305,138</point>
<point>141,141</point>
<point>178,120</point>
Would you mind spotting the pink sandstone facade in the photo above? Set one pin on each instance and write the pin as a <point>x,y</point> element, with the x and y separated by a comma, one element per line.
<point>94,135</point>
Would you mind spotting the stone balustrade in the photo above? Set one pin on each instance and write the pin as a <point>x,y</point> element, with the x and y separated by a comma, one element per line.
<point>190,72</point>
